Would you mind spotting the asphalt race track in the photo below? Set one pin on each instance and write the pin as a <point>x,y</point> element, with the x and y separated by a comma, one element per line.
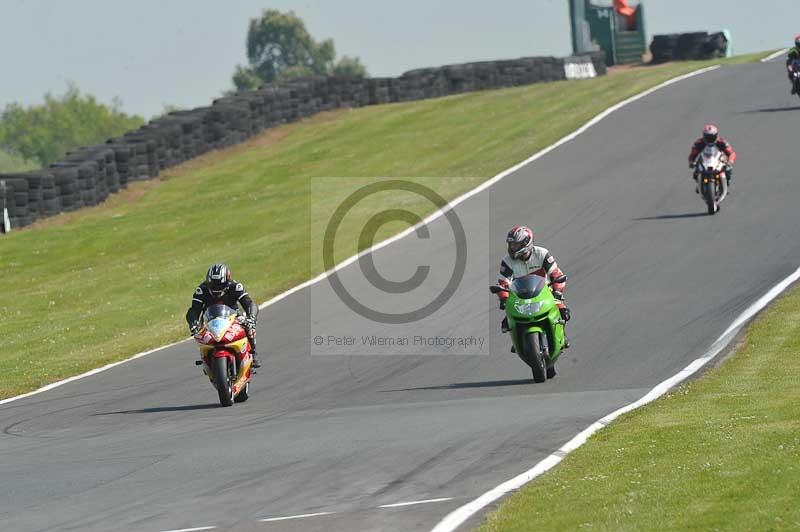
<point>653,282</point>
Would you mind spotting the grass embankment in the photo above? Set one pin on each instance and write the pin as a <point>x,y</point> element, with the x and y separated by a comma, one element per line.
<point>720,453</point>
<point>99,285</point>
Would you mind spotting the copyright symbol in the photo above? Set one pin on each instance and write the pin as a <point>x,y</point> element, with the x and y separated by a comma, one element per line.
<point>318,340</point>
<point>367,265</point>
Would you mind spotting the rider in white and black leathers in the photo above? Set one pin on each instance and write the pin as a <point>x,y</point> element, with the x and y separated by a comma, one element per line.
<point>524,258</point>
<point>220,288</point>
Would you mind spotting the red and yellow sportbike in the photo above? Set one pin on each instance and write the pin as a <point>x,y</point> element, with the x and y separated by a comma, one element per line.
<point>226,355</point>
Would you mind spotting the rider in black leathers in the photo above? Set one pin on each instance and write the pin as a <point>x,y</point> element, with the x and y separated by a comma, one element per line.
<point>220,288</point>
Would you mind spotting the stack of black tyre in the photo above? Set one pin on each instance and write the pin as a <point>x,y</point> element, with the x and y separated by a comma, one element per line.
<point>87,176</point>
<point>688,46</point>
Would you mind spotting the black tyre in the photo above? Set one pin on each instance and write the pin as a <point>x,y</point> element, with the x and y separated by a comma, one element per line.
<point>244,395</point>
<point>222,380</point>
<point>711,198</point>
<point>534,356</point>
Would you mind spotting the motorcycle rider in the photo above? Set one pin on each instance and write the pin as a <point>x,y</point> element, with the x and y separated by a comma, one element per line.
<point>711,137</point>
<point>524,258</point>
<point>220,288</point>
<point>794,54</point>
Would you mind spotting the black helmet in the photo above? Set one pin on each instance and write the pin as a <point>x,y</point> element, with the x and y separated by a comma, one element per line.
<point>217,279</point>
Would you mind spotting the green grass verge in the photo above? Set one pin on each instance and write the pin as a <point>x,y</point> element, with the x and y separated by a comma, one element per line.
<point>719,453</point>
<point>97,286</point>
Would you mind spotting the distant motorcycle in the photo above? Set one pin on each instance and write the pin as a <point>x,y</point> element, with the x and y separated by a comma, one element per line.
<point>796,76</point>
<point>535,323</point>
<point>226,354</point>
<point>710,167</point>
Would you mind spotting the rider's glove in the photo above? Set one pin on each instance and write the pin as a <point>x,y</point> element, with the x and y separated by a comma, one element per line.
<point>193,328</point>
<point>692,165</point>
<point>250,324</point>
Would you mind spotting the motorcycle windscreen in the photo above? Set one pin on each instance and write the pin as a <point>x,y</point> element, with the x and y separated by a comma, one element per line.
<point>710,157</point>
<point>217,319</point>
<point>529,286</point>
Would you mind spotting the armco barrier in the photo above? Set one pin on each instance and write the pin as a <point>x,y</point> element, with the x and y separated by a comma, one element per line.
<point>86,176</point>
<point>688,46</point>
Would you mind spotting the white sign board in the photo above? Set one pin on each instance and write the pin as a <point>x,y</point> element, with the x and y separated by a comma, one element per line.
<point>582,70</point>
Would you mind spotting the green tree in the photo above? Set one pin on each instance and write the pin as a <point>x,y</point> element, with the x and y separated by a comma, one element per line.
<point>246,79</point>
<point>349,67</point>
<point>44,133</point>
<point>295,72</point>
<point>10,162</point>
<point>280,47</point>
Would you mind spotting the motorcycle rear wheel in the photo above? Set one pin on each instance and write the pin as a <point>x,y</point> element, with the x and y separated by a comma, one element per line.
<point>535,357</point>
<point>244,395</point>
<point>222,381</point>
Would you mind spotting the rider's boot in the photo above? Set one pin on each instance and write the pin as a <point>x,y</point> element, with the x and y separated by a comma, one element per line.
<point>566,315</point>
<point>256,363</point>
<point>504,327</point>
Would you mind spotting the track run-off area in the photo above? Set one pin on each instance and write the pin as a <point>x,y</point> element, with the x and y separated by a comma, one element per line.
<point>396,443</point>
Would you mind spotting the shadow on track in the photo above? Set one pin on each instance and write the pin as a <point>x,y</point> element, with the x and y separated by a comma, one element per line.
<point>772,110</point>
<point>162,409</point>
<point>462,385</point>
<point>673,216</point>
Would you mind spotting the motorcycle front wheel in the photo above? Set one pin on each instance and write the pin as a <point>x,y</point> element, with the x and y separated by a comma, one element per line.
<point>535,357</point>
<point>711,198</point>
<point>222,381</point>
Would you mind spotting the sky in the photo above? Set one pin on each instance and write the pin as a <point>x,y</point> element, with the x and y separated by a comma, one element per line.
<point>152,53</point>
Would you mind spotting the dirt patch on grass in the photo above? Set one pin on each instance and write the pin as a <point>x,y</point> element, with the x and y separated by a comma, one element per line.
<point>135,191</point>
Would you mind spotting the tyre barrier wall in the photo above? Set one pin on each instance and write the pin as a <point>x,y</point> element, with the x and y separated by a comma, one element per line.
<point>86,176</point>
<point>688,46</point>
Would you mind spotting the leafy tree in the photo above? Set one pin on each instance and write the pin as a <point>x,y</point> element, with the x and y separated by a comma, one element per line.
<point>349,67</point>
<point>280,47</point>
<point>295,72</point>
<point>46,132</point>
<point>10,162</point>
<point>246,79</point>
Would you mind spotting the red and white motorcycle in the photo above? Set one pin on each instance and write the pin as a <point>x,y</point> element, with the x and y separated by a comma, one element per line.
<point>710,172</point>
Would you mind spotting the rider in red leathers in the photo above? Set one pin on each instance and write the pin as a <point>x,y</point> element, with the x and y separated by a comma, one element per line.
<point>523,259</point>
<point>711,136</point>
<point>794,55</point>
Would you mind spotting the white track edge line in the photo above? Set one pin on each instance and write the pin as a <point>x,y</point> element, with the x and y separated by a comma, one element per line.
<point>433,216</point>
<point>197,529</point>
<point>775,55</point>
<point>457,517</point>
<point>289,517</point>
<point>412,503</point>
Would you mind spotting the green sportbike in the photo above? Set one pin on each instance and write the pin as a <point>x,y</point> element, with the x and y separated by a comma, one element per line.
<point>535,324</point>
